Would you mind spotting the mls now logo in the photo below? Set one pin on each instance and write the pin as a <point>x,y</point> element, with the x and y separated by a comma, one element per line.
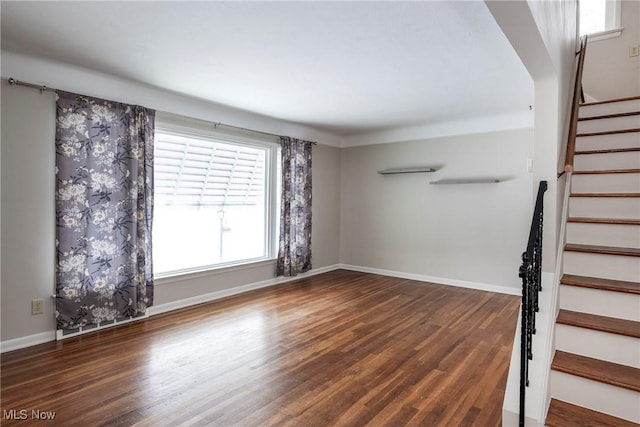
<point>23,414</point>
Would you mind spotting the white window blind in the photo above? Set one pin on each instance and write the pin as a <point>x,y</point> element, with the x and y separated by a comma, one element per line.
<point>198,172</point>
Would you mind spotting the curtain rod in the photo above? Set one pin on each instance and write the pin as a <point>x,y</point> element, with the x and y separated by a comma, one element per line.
<point>44,88</point>
<point>216,124</point>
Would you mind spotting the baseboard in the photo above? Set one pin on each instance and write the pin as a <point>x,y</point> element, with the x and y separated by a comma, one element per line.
<point>28,341</point>
<point>212,296</point>
<point>439,280</point>
<point>42,337</point>
<point>510,419</point>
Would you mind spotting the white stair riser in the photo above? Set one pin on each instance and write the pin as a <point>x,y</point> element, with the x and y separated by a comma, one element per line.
<point>603,303</point>
<point>606,183</point>
<point>625,160</point>
<point>609,108</point>
<point>599,265</point>
<point>605,207</point>
<point>598,345</point>
<point>616,401</point>
<point>625,236</point>
<point>614,123</point>
<point>617,140</point>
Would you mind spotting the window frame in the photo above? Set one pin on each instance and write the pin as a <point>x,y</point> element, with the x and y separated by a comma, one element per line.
<point>612,22</point>
<point>188,127</point>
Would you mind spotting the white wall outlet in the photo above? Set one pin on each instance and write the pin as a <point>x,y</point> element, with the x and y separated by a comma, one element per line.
<point>529,165</point>
<point>633,51</point>
<point>37,306</point>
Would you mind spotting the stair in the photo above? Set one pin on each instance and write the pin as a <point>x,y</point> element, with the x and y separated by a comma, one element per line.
<point>606,171</point>
<point>599,283</point>
<point>595,373</point>
<point>607,250</point>
<point>598,370</point>
<point>563,414</point>
<point>609,132</point>
<point>599,323</point>
<point>608,150</point>
<point>610,116</point>
<point>620,221</point>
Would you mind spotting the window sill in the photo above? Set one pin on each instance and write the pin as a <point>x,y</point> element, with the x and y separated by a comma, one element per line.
<point>177,276</point>
<point>603,35</point>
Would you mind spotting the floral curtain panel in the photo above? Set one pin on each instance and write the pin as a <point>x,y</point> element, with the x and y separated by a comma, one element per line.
<point>294,249</point>
<point>104,208</point>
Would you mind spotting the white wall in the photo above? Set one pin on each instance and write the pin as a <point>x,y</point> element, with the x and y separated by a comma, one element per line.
<point>609,71</point>
<point>27,190</point>
<point>28,210</point>
<point>470,232</point>
<point>543,34</point>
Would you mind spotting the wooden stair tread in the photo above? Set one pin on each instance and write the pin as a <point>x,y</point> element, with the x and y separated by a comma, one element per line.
<point>612,325</point>
<point>607,250</point>
<point>618,221</point>
<point>605,194</point>
<point>608,101</point>
<point>610,116</point>
<point>602,284</point>
<point>608,132</point>
<point>563,414</point>
<point>605,171</point>
<point>608,151</point>
<point>598,370</point>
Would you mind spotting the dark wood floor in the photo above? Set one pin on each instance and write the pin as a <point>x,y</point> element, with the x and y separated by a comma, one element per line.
<point>337,349</point>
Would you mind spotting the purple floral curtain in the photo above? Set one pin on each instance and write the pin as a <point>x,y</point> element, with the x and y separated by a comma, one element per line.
<point>294,249</point>
<point>104,207</point>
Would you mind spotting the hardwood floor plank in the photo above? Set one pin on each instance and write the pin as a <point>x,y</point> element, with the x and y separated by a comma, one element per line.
<point>337,349</point>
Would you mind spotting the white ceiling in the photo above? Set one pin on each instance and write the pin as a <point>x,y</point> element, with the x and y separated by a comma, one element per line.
<point>345,67</point>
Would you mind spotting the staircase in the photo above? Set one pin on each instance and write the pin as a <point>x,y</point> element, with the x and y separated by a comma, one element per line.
<point>595,373</point>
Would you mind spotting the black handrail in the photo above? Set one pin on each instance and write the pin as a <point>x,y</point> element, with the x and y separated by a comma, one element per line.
<point>530,273</point>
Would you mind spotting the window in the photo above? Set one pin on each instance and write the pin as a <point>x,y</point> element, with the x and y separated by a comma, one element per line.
<point>599,16</point>
<point>215,199</point>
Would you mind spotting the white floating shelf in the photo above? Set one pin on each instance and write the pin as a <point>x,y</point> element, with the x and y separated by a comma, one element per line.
<point>396,171</point>
<point>467,181</point>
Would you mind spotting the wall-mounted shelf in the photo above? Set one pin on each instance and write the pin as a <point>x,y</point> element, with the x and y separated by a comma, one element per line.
<point>396,171</point>
<point>467,181</point>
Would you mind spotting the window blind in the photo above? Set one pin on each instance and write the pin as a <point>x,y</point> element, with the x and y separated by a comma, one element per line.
<point>200,172</point>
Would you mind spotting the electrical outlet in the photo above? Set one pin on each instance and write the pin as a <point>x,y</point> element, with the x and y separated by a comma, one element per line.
<point>633,51</point>
<point>37,306</point>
